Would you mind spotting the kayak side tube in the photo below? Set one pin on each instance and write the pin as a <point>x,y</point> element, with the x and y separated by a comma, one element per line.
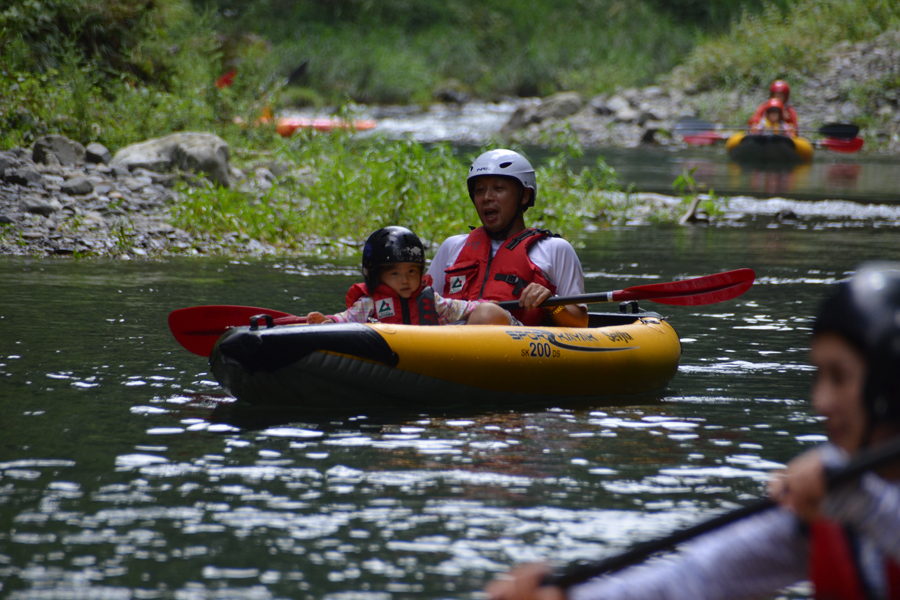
<point>308,364</point>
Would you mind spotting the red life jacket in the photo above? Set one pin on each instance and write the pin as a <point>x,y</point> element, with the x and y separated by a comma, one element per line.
<point>834,569</point>
<point>477,275</point>
<point>418,309</point>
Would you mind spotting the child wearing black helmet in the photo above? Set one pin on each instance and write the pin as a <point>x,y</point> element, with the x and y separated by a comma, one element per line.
<point>395,290</point>
<point>846,541</point>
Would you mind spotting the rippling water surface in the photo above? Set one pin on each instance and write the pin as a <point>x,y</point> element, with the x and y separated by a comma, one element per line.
<point>862,177</point>
<point>124,473</point>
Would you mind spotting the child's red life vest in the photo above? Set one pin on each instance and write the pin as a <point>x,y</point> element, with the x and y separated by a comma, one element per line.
<point>477,275</point>
<point>418,309</point>
<point>834,569</point>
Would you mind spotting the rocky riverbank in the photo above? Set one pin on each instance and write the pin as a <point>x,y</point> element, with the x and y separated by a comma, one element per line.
<point>856,80</point>
<point>59,198</point>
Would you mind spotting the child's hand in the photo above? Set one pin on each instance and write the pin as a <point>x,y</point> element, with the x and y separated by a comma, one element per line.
<point>314,318</point>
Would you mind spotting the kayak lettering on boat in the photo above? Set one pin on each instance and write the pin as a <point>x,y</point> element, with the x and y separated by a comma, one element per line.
<point>618,336</point>
<point>560,340</point>
<point>540,350</point>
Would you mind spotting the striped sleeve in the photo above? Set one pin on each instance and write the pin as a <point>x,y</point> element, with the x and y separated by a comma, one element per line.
<point>358,313</point>
<point>451,311</point>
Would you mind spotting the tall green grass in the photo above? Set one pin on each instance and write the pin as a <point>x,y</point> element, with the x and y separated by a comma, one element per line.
<point>350,187</point>
<point>775,43</point>
<point>399,50</point>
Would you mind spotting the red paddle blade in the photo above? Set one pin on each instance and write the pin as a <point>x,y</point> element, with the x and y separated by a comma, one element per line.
<point>707,138</point>
<point>692,292</point>
<point>199,327</point>
<point>843,145</point>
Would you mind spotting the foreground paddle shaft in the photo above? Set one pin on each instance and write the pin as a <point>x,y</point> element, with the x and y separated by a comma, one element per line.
<point>696,291</point>
<point>873,459</point>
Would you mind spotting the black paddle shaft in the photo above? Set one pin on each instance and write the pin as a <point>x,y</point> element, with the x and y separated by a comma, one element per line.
<point>835,130</point>
<point>579,572</point>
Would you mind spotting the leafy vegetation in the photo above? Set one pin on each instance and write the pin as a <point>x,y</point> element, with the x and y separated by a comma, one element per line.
<point>77,66</point>
<point>349,187</point>
<point>777,43</point>
<point>399,51</point>
<point>120,71</point>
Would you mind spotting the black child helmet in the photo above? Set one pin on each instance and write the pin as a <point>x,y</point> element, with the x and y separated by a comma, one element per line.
<point>389,246</point>
<point>865,310</point>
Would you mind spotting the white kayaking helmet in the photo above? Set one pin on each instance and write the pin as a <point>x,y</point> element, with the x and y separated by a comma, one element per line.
<point>504,163</point>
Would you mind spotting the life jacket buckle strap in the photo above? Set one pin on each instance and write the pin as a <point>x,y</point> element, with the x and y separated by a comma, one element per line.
<point>527,234</point>
<point>517,282</point>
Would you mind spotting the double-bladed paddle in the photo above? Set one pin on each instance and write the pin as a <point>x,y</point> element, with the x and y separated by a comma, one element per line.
<point>197,328</point>
<point>691,128</point>
<point>835,144</point>
<point>846,146</point>
<point>866,461</point>
<point>696,291</point>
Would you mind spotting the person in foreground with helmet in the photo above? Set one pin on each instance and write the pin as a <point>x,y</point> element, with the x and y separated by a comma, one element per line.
<point>503,259</point>
<point>846,541</point>
<point>779,90</point>
<point>396,292</point>
<point>773,121</point>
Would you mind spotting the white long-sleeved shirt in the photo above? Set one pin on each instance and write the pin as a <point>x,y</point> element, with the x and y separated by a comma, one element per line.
<point>762,554</point>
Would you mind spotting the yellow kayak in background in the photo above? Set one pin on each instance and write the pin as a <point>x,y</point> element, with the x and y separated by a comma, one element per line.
<point>768,148</point>
<point>416,367</point>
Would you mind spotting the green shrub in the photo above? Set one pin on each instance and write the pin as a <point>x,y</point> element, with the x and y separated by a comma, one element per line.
<point>774,44</point>
<point>349,187</point>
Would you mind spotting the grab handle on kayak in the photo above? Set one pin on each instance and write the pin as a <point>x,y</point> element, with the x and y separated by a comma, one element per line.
<point>254,322</point>
<point>623,307</point>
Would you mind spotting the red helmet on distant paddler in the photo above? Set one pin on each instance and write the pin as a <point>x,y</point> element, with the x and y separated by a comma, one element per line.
<point>775,104</point>
<point>780,87</point>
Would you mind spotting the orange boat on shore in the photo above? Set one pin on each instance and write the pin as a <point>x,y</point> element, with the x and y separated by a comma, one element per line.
<point>286,126</point>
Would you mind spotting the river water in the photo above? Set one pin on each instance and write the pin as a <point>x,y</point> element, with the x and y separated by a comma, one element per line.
<point>861,177</point>
<point>124,472</point>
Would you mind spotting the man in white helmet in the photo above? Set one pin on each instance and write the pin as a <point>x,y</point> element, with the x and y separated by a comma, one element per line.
<point>503,259</point>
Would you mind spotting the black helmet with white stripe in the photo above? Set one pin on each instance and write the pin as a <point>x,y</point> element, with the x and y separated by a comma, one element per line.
<point>388,246</point>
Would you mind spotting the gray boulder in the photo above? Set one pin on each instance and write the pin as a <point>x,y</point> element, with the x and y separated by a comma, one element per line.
<point>190,151</point>
<point>23,176</point>
<point>559,106</point>
<point>616,104</point>
<point>97,153</point>
<point>41,206</point>
<point>522,116</point>
<point>7,161</point>
<point>77,186</point>
<point>66,151</point>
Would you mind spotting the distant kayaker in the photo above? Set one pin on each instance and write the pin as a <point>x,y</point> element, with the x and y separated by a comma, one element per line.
<point>773,120</point>
<point>504,260</point>
<point>846,541</point>
<point>779,90</point>
<point>395,290</point>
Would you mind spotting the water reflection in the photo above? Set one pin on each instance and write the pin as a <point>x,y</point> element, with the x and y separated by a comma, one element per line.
<point>863,179</point>
<point>770,181</point>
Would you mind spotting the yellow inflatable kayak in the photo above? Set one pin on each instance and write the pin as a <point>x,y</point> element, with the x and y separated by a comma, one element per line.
<point>356,367</point>
<point>768,148</point>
